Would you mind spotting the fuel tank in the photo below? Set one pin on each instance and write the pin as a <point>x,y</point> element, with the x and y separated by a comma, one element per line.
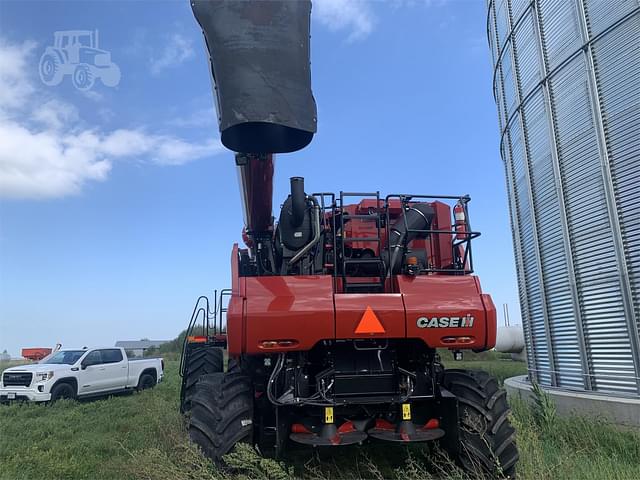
<point>260,67</point>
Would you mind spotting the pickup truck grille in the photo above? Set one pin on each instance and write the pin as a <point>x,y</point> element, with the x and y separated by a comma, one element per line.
<point>17,379</point>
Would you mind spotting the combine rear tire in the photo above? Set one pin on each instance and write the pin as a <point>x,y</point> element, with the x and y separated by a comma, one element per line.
<point>222,413</point>
<point>487,439</point>
<point>233,366</point>
<point>201,360</point>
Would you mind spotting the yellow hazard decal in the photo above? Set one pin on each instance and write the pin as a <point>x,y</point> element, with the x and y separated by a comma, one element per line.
<point>406,411</point>
<point>328,414</point>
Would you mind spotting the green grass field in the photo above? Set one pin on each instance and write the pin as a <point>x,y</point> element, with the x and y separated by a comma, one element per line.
<point>142,436</point>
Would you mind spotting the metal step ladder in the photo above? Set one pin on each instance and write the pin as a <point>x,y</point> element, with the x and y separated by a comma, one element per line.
<point>369,283</point>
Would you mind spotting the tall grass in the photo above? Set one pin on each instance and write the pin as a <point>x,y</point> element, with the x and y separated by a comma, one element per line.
<point>142,436</point>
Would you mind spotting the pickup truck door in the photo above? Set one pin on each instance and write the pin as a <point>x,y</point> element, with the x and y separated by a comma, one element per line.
<point>116,369</point>
<point>91,373</point>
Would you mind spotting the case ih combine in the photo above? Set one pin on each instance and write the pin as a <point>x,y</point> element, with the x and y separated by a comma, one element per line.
<point>336,310</point>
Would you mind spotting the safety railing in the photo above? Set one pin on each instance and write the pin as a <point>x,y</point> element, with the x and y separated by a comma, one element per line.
<point>461,251</point>
<point>212,324</point>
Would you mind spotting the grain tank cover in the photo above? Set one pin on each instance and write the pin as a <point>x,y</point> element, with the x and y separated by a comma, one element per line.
<point>259,55</point>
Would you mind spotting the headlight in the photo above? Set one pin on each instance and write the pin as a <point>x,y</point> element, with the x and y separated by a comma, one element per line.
<point>43,376</point>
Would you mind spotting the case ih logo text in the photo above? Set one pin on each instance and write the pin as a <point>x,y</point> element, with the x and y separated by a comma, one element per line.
<point>445,322</point>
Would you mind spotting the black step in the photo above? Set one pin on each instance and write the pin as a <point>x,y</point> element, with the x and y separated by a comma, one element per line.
<point>363,216</point>
<point>359,194</point>
<point>363,260</point>
<point>363,287</point>
<point>360,239</point>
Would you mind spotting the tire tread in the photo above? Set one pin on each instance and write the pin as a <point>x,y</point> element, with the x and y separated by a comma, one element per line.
<point>201,360</point>
<point>220,403</point>
<point>487,439</point>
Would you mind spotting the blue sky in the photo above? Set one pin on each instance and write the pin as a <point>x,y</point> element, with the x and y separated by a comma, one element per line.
<point>118,206</point>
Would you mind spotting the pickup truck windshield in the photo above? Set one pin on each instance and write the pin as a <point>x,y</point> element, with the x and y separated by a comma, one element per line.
<point>67,356</point>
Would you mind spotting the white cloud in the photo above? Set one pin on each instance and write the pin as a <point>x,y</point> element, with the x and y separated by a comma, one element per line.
<point>419,3</point>
<point>44,164</point>
<point>200,118</point>
<point>357,16</point>
<point>93,95</point>
<point>174,151</point>
<point>14,88</point>
<point>353,15</point>
<point>55,114</point>
<point>160,149</point>
<point>176,51</point>
<point>47,151</point>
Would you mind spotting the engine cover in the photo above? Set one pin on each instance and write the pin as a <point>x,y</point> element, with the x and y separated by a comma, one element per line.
<point>294,237</point>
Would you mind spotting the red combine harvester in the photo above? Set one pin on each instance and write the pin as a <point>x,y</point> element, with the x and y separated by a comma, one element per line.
<point>336,311</point>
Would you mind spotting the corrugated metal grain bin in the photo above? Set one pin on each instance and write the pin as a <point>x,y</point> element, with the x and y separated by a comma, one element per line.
<point>567,88</point>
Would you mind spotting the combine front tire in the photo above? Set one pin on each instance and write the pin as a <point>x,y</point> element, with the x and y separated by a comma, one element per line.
<point>487,439</point>
<point>201,360</point>
<point>222,413</point>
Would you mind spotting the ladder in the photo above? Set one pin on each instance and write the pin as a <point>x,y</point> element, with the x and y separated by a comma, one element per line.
<point>369,283</point>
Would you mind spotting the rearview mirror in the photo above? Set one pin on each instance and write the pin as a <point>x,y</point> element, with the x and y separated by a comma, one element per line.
<point>86,363</point>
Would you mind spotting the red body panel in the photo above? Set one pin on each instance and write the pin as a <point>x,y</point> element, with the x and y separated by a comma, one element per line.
<point>444,296</point>
<point>492,321</point>
<point>304,310</point>
<point>388,308</point>
<point>298,308</point>
<point>235,309</point>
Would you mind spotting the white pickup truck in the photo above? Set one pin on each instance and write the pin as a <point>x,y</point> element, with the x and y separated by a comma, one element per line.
<point>78,374</point>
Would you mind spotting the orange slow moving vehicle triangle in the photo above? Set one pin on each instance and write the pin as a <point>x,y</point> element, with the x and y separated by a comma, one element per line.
<point>369,323</point>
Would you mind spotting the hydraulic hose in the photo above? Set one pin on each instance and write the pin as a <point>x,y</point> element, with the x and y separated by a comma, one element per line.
<point>416,217</point>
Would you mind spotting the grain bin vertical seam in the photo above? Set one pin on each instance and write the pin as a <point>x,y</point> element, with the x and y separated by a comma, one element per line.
<point>532,208</point>
<point>513,214</point>
<point>560,195</point>
<point>621,254</point>
<point>569,115</point>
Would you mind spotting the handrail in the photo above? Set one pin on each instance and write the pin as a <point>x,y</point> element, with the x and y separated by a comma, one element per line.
<point>207,314</point>
<point>468,234</point>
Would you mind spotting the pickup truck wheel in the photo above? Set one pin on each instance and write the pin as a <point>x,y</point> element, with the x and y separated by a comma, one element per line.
<point>487,439</point>
<point>62,390</point>
<point>201,360</point>
<point>146,381</point>
<point>222,413</point>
